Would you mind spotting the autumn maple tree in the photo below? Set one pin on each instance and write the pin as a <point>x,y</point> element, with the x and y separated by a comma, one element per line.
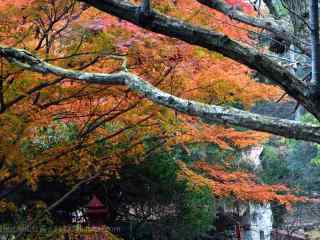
<point>55,121</point>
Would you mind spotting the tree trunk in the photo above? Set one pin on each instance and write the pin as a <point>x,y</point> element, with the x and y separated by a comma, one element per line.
<point>315,44</point>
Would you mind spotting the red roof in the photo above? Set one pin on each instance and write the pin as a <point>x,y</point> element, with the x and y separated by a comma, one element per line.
<point>95,203</point>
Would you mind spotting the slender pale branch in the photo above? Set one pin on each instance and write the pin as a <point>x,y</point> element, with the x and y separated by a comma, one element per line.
<point>218,114</point>
<point>38,218</point>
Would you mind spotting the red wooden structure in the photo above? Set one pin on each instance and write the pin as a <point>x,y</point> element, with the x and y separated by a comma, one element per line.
<point>96,212</point>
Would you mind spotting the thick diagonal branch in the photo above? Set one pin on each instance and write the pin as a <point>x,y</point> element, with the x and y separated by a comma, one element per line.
<point>218,42</point>
<point>277,27</point>
<point>218,114</point>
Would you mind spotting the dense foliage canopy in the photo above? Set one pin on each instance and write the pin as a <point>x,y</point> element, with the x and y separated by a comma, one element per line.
<point>92,94</point>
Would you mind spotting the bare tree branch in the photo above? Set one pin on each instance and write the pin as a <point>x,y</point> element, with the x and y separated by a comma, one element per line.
<point>218,114</point>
